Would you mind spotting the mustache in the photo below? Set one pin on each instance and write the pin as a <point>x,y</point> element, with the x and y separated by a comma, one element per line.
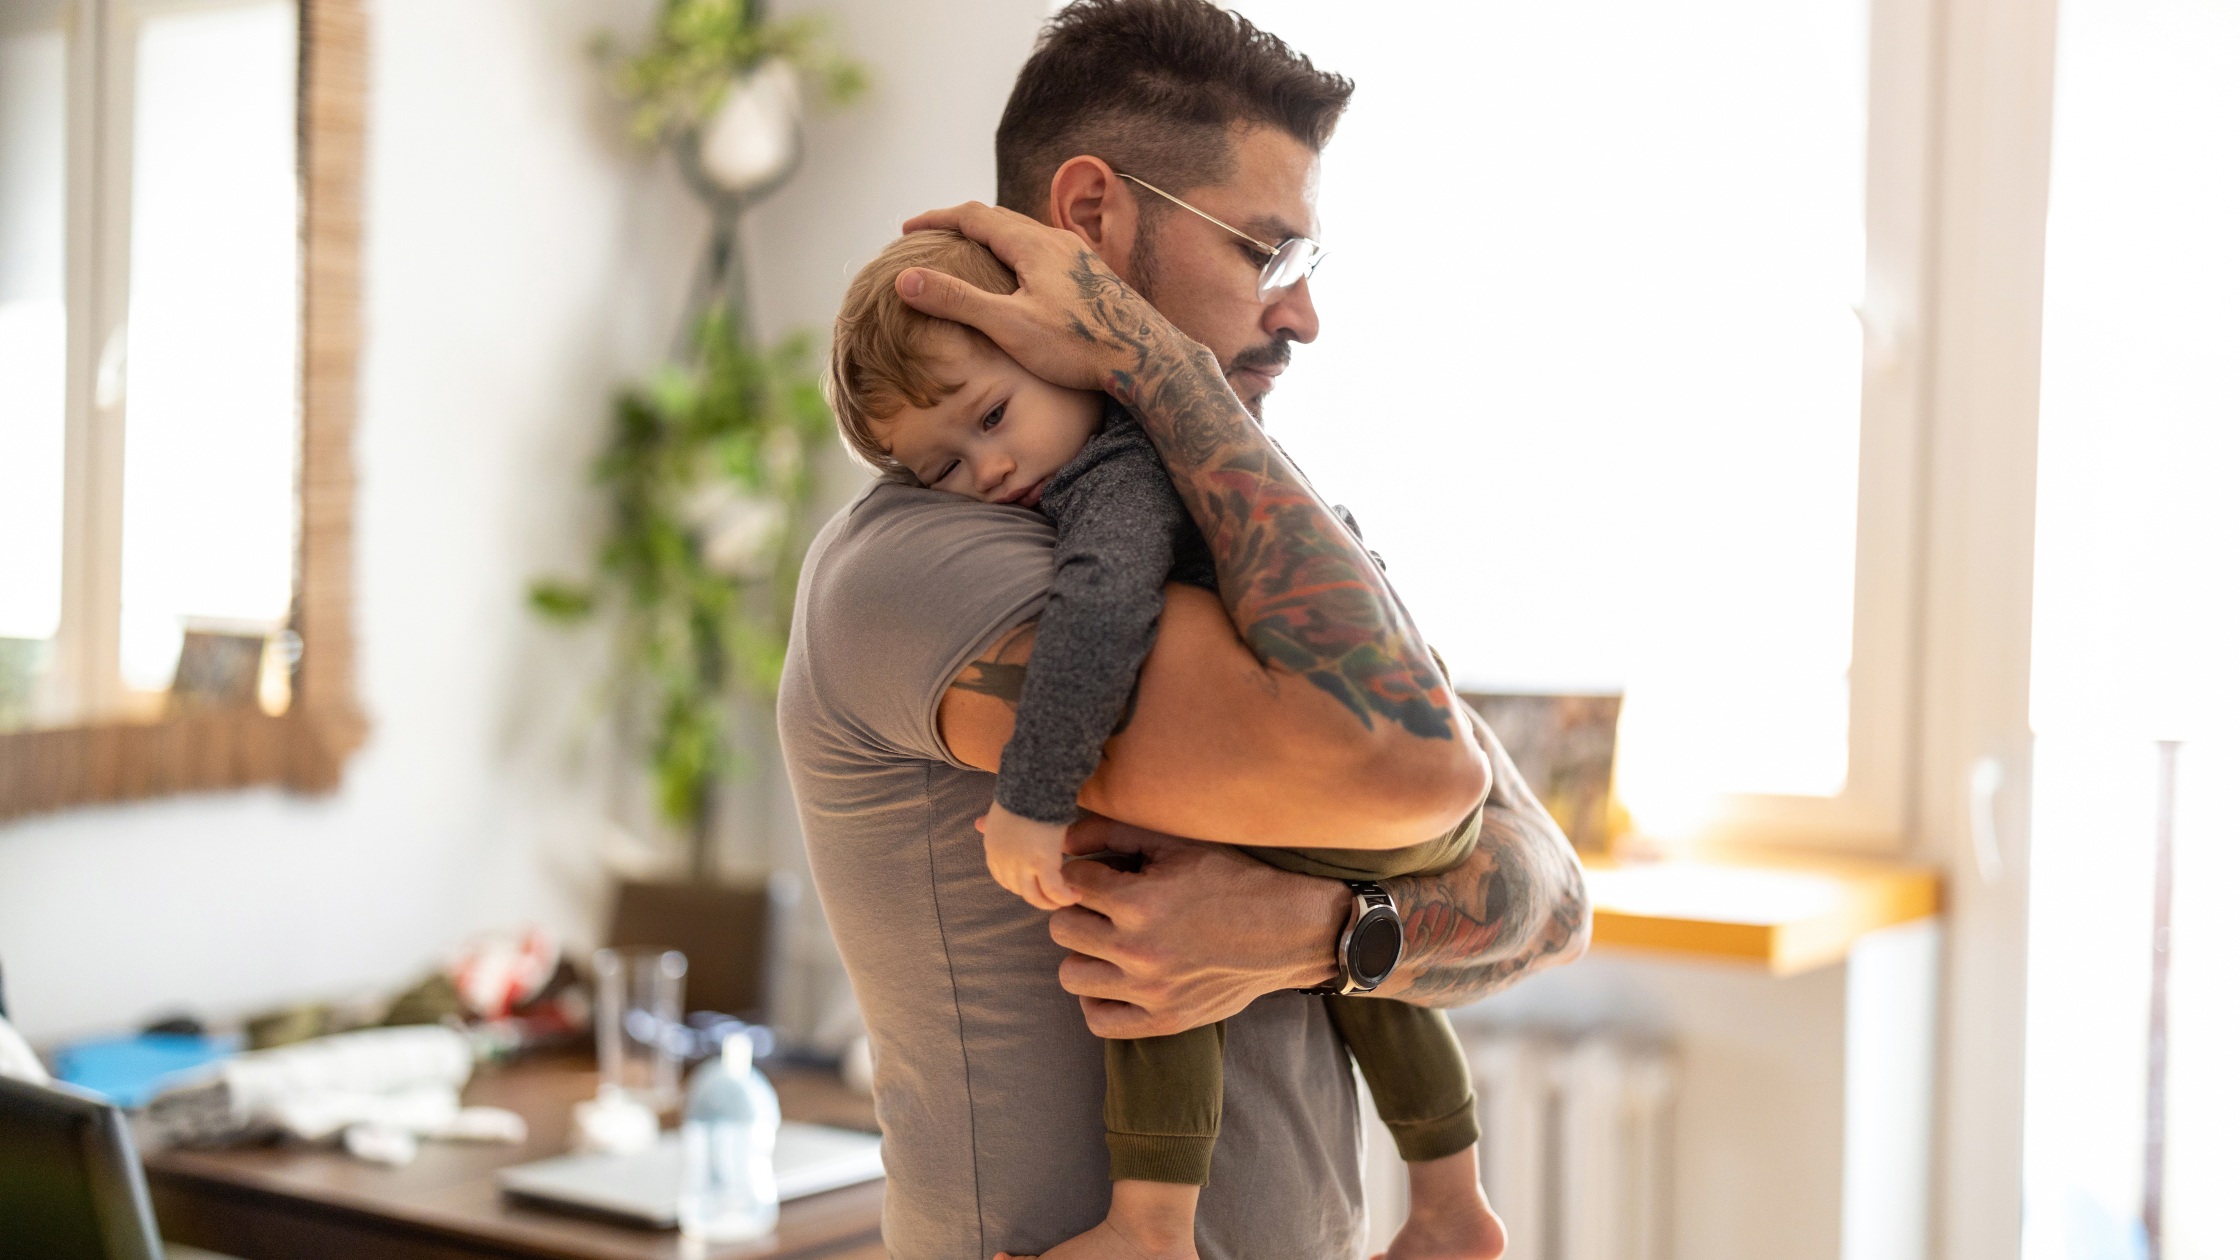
<point>1276,354</point>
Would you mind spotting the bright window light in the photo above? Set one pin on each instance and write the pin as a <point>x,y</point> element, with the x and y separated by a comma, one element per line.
<point>31,335</point>
<point>2134,630</point>
<point>1589,370</point>
<point>210,412</point>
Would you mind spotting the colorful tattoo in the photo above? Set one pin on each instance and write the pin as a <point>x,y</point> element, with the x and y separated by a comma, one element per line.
<point>1482,926</point>
<point>1517,904</point>
<point>1301,589</point>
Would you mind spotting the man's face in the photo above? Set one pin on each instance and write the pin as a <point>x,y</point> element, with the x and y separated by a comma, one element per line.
<point>1205,280</point>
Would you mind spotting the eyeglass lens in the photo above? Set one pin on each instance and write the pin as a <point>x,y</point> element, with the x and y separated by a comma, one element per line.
<point>1293,261</point>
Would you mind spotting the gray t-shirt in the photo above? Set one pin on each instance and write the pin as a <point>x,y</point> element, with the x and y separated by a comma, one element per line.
<point>988,1084</point>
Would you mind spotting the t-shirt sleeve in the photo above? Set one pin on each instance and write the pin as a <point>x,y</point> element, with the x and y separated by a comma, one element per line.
<point>907,590</point>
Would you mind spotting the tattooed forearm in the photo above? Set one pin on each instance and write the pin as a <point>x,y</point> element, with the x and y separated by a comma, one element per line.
<point>1517,905</point>
<point>1485,925</point>
<point>1301,589</point>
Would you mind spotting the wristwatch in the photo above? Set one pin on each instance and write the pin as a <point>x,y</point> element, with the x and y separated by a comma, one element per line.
<point>1370,946</point>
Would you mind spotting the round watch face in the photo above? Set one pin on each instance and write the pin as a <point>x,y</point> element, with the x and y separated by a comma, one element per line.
<point>1376,946</point>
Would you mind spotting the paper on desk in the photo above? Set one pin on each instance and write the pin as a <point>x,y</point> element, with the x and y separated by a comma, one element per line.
<point>382,1089</point>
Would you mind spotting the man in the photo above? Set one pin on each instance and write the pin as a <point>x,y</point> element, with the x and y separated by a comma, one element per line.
<point>1325,714</point>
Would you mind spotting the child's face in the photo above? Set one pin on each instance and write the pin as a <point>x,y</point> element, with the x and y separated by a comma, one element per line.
<point>1000,435</point>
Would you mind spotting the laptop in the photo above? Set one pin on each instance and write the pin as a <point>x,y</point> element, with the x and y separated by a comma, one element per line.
<point>642,1188</point>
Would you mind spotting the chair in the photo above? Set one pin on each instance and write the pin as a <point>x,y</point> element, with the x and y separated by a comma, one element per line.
<point>70,1181</point>
<point>733,938</point>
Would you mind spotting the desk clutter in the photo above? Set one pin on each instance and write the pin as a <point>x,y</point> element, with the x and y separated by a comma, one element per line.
<point>380,1092</point>
<point>490,1051</point>
<point>375,1077</point>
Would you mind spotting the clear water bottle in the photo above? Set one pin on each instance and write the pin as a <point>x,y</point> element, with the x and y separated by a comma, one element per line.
<point>730,1132</point>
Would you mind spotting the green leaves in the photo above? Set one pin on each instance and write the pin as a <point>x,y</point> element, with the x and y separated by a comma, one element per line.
<point>676,81</point>
<point>562,601</point>
<point>709,472</point>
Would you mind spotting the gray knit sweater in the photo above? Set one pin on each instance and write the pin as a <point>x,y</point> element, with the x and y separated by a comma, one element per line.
<point>1122,535</point>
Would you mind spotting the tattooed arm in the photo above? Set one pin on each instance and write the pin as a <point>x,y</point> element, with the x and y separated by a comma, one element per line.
<point>1202,930</point>
<point>1353,702</point>
<point>1517,905</point>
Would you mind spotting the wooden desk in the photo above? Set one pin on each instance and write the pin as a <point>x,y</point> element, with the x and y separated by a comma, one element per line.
<point>292,1202</point>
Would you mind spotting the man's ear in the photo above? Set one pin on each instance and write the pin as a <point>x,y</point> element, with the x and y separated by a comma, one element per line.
<point>1089,200</point>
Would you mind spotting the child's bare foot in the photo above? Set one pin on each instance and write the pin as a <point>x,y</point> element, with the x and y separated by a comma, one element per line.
<point>1149,1220</point>
<point>1448,1217</point>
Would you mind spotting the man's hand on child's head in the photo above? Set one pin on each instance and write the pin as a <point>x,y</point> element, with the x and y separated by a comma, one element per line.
<point>1071,321</point>
<point>1027,857</point>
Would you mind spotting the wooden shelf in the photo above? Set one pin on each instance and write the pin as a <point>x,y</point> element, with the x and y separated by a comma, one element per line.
<point>1785,914</point>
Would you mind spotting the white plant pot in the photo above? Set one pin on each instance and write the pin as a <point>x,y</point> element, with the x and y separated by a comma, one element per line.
<point>754,138</point>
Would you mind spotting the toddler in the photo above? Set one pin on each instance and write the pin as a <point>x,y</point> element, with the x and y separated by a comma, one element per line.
<point>938,403</point>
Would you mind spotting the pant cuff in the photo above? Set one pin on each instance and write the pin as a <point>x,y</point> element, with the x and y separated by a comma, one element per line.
<point>1172,1158</point>
<point>1421,1140</point>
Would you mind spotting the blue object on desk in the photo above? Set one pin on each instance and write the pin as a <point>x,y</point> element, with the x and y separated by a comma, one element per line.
<point>129,1071</point>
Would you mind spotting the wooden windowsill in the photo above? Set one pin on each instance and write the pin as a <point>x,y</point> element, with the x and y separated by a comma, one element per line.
<point>1786,914</point>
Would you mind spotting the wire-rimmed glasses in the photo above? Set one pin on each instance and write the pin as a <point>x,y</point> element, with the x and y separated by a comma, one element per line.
<point>1288,263</point>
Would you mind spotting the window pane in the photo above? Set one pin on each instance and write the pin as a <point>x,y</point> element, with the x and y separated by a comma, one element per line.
<point>1590,372</point>
<point>32,140</point>
<point>2134,629</point>
<point>210,423</point>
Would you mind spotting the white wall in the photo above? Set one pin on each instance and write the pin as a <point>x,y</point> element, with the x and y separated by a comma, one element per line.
<point>520,259</point>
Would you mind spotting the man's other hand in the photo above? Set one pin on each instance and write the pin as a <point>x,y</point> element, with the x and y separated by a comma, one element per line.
<point>1072,322</point>
<point>1194,936</point>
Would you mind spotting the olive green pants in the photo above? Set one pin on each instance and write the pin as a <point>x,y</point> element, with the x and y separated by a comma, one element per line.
<point>1162,1095</point>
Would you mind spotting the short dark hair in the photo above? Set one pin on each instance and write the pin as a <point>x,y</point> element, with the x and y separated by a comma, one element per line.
<point>1154,87</point>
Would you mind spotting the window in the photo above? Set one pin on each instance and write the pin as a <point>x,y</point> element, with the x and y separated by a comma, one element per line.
<point>33,140</point>
<point>2138,537</point>
<point>210,428</point>
<point>148,344</point>
<point>1596,302</point>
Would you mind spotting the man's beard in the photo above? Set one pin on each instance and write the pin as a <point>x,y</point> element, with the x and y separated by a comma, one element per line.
<point>1274,355</point>
<point>1144,277</point>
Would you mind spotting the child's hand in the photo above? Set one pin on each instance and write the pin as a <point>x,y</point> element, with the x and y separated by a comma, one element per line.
<point>1028,857</point>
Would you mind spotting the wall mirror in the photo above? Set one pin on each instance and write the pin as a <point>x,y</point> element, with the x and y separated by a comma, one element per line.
<point>179,198</point>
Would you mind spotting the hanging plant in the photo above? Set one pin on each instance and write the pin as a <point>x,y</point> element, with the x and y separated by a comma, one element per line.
<point>709,467</point>
<point>678,81</point>
<point>709,476</point>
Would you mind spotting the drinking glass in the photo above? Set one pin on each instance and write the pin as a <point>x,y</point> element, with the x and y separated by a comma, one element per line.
<point>641,1001</point>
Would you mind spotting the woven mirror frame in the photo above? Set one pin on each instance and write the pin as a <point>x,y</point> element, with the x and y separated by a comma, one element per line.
<point>305,747</point>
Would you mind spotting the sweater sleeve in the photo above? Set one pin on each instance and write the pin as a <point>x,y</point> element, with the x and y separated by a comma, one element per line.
<point>1117,518</point>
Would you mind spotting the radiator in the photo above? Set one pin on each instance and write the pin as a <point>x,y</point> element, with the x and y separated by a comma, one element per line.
<point>1577,1152</point>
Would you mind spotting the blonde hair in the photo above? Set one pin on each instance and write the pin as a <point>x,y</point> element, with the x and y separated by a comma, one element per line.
<point>879,348</point>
